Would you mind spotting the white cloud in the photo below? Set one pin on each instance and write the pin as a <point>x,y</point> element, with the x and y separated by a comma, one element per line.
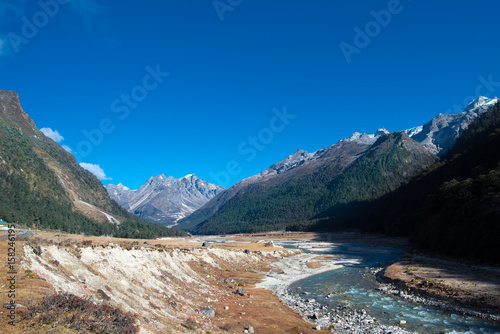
<point>96,170</point>
<point>52,134</point>
<point>56,136</point>
<point>67,148</point>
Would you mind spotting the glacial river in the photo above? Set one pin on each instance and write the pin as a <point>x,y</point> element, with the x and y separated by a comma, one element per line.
<point>355,285</point>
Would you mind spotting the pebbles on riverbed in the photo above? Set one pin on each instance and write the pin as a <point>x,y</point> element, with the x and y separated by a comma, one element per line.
<point>345,319</point>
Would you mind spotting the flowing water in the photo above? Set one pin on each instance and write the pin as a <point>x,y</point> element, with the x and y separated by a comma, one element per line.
<point>356,286</point>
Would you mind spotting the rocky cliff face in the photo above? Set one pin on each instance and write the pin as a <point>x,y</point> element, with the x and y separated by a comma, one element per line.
<point>165,199</point>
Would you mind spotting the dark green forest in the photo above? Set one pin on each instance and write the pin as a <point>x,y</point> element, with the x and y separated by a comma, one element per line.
<point>452,207</point>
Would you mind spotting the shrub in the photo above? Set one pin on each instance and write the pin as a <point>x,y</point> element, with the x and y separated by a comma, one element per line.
<point>73,312</point>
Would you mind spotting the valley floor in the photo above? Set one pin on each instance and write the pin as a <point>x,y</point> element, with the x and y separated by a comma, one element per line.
<point>179,286</point>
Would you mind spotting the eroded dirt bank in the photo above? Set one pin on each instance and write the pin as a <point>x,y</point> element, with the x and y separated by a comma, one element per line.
<point>172,286</point>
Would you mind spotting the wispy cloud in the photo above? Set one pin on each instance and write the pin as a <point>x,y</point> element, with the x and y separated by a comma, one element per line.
<point>96,170</point>
<point>67,148</point>
<point>57,137</point>
<point>52,134</point>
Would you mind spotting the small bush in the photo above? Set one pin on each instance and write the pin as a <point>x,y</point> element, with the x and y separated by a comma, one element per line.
<point>73,312</point>
<point>30,274</point>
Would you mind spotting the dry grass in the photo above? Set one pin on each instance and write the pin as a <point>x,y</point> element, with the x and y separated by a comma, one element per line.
<point>314,264</point>
<point>476,286</point>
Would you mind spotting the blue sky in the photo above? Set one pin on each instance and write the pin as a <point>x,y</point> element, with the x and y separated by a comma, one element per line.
<point>226,88</point>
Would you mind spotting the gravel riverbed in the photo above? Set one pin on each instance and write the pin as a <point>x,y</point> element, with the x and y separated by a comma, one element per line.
<point>343,319</point>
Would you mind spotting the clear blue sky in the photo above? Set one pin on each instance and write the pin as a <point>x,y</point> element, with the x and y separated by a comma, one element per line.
<point>229,67</point>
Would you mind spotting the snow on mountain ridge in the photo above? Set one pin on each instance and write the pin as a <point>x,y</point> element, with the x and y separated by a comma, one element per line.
<point>165,199</point>
<point>442,131</point>
<point>367,138</point>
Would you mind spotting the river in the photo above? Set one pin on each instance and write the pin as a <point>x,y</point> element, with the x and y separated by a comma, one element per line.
<point>355,285</point>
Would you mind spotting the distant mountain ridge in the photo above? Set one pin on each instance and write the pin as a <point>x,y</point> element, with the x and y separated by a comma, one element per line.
<point>164,199</point>
<point>329,177</point>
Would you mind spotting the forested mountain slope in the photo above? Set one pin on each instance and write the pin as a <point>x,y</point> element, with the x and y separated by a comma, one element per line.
<point>453,207</point>
<point>42,185</point>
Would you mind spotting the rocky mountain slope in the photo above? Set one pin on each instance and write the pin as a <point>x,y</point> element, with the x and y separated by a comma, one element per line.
<point>304,186</point>
<point>453,207</point>
<point>307,186</point>
<point>43,185</point>
<point>441,132</point>
<point>165,199</point>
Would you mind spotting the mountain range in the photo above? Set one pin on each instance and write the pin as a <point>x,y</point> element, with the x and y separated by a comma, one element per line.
<point>43,185</point>
<point>308,186</point>
<point>164,199</point>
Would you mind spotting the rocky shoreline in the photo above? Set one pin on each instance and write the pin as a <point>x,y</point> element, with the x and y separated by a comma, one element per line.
<point>422,297</point>
<point>342,320</point>
<point>345,318</point>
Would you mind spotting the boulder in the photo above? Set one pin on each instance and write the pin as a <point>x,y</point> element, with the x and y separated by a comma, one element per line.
<point>208,311</point>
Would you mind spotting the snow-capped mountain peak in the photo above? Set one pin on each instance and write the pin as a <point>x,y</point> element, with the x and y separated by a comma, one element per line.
<point>367,138</point>
<point>381,131</point>
<point>481,102</point>
<point>121,186</point>
<point>443,130</point>
<point>165,199</point>
<point>413,131</point>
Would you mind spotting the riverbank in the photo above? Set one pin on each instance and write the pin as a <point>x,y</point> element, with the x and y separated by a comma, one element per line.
<point>350,317</point>
<point>343,319</point>
<point>467,289</point>
<point>179,285</point>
